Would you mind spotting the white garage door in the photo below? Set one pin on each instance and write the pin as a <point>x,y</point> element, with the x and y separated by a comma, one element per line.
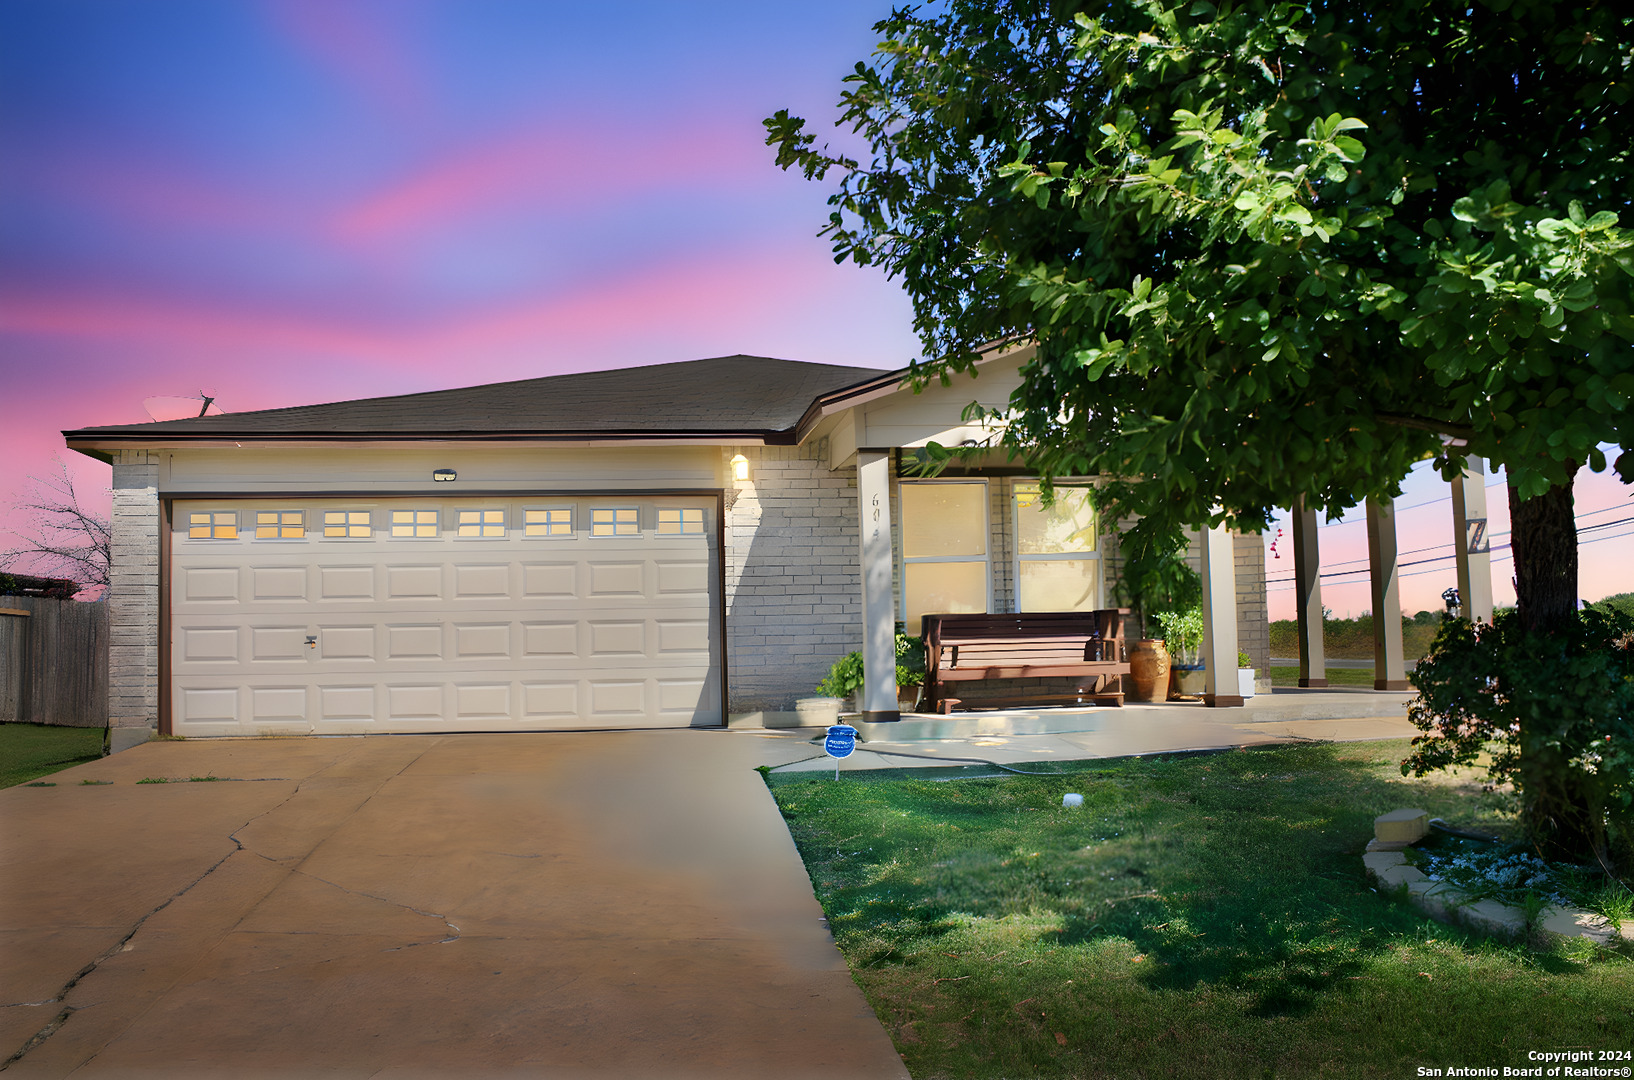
<point>344,616</point>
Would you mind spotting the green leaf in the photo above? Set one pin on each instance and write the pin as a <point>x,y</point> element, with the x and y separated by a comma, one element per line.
<point>1350,149</point>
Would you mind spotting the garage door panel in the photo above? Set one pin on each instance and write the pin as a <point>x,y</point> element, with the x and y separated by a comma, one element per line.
<point>550,640</point>
<point>414,582</point>
<point>618,698</point>
<point>347,703</point>
<point>621,638</point>
<point>278,583</point>
<point>208,704</point>
<point>682,578</point>
<point>346,582</point>
<point>415,701</point>
<point>683,696</point>
<point>416,641</point>
<point>210,584</point>
<point>281,704</point>
<point>445,633</point>
<point>210,645</point>
<point>278,644</point>
<point>550,701</point>
<point>483,701</point>
<point>482,641</point>
<point>617,579</point>
<point>550,580</point>
<point>347,643</point>
<point>687,638</point>
<point>482,580</point>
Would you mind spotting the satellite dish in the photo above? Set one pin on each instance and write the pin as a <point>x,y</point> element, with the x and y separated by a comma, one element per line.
<point>181,408</point>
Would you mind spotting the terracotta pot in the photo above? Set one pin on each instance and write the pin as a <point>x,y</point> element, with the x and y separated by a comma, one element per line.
<point>1148,671</point>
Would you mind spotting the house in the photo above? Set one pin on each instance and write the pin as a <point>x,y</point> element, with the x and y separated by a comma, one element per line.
<point>658,546</point>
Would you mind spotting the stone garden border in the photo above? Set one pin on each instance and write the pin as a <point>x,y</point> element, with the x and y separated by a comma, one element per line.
<point>1387,865</point>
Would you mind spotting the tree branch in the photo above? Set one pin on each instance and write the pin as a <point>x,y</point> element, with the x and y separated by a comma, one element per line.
<point>1420,423</point>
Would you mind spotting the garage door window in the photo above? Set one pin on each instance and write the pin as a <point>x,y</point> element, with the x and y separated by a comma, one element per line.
<point>680,521</point>
<point>347,523</point>
<point>280,524</point>
<point>614,521</point>
<point>482,523</point>
<point>213,525</point>
<point>414,523</point>
<point>556,521</point>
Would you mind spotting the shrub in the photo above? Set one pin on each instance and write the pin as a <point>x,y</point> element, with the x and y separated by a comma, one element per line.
<point>1555,712</point>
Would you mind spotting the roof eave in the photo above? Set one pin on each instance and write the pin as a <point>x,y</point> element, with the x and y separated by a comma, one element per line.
<point>101,444</point>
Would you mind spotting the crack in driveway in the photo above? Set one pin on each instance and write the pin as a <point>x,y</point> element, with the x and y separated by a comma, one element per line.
<point>56,1022</point>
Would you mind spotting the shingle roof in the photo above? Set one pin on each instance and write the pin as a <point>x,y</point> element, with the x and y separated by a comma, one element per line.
<point>725,395</point>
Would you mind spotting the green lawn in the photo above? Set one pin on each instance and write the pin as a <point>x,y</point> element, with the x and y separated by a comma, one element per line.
<point>1200,916</point>
<point>28,751</point>
<point>1289,676</point>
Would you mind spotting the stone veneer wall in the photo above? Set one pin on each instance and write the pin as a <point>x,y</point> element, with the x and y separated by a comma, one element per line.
<point>793,594</point>
<point>133,593</point>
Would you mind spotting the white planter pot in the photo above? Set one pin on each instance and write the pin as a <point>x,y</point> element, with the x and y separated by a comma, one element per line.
<point>820,712</point>
<point>1245,682</point>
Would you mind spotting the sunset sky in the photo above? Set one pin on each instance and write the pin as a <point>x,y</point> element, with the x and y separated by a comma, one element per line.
<point>281,202</point>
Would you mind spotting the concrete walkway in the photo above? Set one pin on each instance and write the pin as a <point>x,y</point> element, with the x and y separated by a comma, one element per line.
<point>549,905</point>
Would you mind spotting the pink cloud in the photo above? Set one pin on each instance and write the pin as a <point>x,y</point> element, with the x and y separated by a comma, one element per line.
<point>726,298</point>
<point>556,170</point>
<point>344,40</point>
<point>130,190</point>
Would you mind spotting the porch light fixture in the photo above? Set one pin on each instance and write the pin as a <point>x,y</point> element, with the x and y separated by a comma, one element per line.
<point>443,475</point>
<point>740,467</point>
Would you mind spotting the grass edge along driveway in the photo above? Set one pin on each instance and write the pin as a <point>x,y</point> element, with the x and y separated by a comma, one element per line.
<point>30,751</point>
<point>1199,916</point>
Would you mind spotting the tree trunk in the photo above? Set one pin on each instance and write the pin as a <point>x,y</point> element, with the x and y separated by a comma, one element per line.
<point>1543,532</point>
<point>1556,812</point>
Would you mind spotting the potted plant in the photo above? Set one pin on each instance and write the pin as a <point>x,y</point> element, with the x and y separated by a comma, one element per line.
<point>843,680</point>
<point>1183,632</point>
<point>1245,675</point>
<point>1156,577</point>
<point>910,671</point>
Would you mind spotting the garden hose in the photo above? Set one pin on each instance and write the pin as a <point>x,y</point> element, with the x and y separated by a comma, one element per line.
<point>1437,823</point>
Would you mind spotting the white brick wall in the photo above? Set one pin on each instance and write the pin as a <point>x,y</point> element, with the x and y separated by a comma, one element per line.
<point>793,597</point>
<point>133,592</point>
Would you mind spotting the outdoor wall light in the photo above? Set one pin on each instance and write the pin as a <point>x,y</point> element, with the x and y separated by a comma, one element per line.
<point>443,475</point>
<point>740,467</point>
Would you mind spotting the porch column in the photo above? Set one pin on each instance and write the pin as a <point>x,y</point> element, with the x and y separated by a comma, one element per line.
<point>1471,542</point>
<point>1313,665</point>
<point>878,702</point>
<point>1389,671</point>
<point>1220,620</point>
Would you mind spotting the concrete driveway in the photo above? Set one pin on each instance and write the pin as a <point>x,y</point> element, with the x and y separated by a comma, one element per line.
<point>551,905</point>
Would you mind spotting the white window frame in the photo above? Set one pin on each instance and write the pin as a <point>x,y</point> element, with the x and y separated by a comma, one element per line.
<point>347,525</point>
<point>615,511</point>
<point>1054,556</point>
<point>414,525</point>
<point>481,524</point>
<point>213,525</point>
<point>278,525</point>
<point>986,558</point>
<point>572,522</point>
<point>682,530</point>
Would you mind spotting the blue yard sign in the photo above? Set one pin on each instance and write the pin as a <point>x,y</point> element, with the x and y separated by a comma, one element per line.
<point>840,742</point>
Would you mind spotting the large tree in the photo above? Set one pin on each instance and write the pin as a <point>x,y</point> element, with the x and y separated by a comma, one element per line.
<point>1268,251</point>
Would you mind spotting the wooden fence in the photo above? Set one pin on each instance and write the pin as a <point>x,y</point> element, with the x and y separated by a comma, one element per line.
<point>53,661</point>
